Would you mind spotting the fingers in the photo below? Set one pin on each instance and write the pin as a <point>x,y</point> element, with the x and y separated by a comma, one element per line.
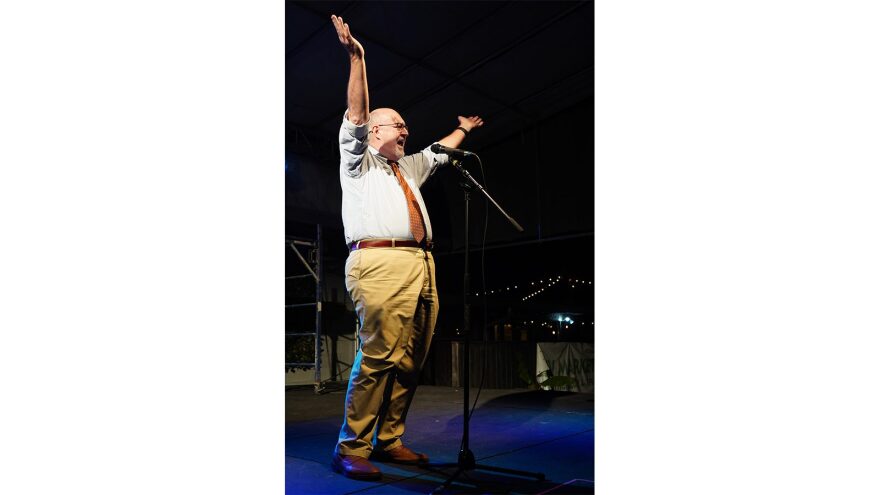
<point>337,23</point>
<point>474,120</point>
<point>345,37</point>
<point>341,29</point>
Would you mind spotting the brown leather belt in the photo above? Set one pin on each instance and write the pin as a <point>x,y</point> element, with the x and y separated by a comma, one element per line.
<point>375,243</point>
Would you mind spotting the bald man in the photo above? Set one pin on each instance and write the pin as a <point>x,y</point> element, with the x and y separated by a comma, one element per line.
<point>389,272</point>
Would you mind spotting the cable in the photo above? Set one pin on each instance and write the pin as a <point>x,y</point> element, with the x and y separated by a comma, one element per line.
<point>485,299</point>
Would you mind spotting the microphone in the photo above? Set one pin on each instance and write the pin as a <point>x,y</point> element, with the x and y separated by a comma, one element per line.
<point>452,152</point>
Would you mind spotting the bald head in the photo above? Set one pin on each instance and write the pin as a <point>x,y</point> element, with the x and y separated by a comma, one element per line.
<point>380,115</point>
<point>384,136</point>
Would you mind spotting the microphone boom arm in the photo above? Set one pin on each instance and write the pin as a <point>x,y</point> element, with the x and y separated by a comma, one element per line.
<point>472,181</point>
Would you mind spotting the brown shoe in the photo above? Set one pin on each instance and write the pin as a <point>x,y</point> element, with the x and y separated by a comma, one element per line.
<point>400,455</point>
<point>355,467</point>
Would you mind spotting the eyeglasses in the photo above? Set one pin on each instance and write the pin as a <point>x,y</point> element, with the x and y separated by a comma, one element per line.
<point>397,126</point>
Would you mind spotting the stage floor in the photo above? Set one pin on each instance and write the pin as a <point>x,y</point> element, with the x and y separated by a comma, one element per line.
<point>537,431</point>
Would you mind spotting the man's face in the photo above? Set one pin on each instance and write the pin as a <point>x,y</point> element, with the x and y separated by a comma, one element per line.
<point>389,135</point>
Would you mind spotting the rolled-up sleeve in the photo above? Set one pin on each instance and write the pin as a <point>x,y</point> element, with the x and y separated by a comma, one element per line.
<point>352,146</point>
<point>430,163</point>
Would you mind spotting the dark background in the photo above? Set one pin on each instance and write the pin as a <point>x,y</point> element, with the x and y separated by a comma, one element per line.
<point>527,69</point>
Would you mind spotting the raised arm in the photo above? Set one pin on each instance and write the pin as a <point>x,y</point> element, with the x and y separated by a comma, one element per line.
<point>454,139</point>
<point>358,95</point>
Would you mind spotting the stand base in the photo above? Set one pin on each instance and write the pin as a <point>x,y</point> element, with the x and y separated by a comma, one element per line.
<point>466,462</point>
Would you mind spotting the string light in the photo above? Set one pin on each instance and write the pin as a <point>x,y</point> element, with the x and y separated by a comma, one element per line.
<point>537,287</point>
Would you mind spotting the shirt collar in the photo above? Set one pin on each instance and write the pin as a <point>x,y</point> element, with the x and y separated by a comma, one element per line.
<point>384,161</point>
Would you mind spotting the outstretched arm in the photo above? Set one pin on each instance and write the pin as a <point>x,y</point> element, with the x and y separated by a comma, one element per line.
<point>358,95</point>
<point>454,139</point>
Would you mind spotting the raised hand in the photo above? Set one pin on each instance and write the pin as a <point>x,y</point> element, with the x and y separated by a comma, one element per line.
<point>470,123</point>
<point>351,45</point>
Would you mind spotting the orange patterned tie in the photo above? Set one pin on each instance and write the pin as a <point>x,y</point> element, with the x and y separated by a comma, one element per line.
<point>416,222</point>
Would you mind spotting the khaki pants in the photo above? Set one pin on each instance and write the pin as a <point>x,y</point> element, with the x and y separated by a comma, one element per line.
<point>396,302</point>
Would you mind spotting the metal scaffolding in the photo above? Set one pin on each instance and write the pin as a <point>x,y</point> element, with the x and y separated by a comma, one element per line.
<point>313,263</point>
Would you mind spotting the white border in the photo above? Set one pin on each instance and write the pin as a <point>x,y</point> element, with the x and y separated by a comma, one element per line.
<point>141,191</point>
<point>737,247</point>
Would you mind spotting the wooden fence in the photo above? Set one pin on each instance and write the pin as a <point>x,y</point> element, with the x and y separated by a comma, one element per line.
<point>505,364</point>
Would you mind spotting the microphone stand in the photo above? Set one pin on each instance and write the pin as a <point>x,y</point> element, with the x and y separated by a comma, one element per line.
<point>466,461</point>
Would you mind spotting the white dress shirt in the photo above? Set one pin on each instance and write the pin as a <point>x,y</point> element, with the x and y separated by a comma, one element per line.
<point>373,203</point>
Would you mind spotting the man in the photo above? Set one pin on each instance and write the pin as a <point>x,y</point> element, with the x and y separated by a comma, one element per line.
<point>389,271</point>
